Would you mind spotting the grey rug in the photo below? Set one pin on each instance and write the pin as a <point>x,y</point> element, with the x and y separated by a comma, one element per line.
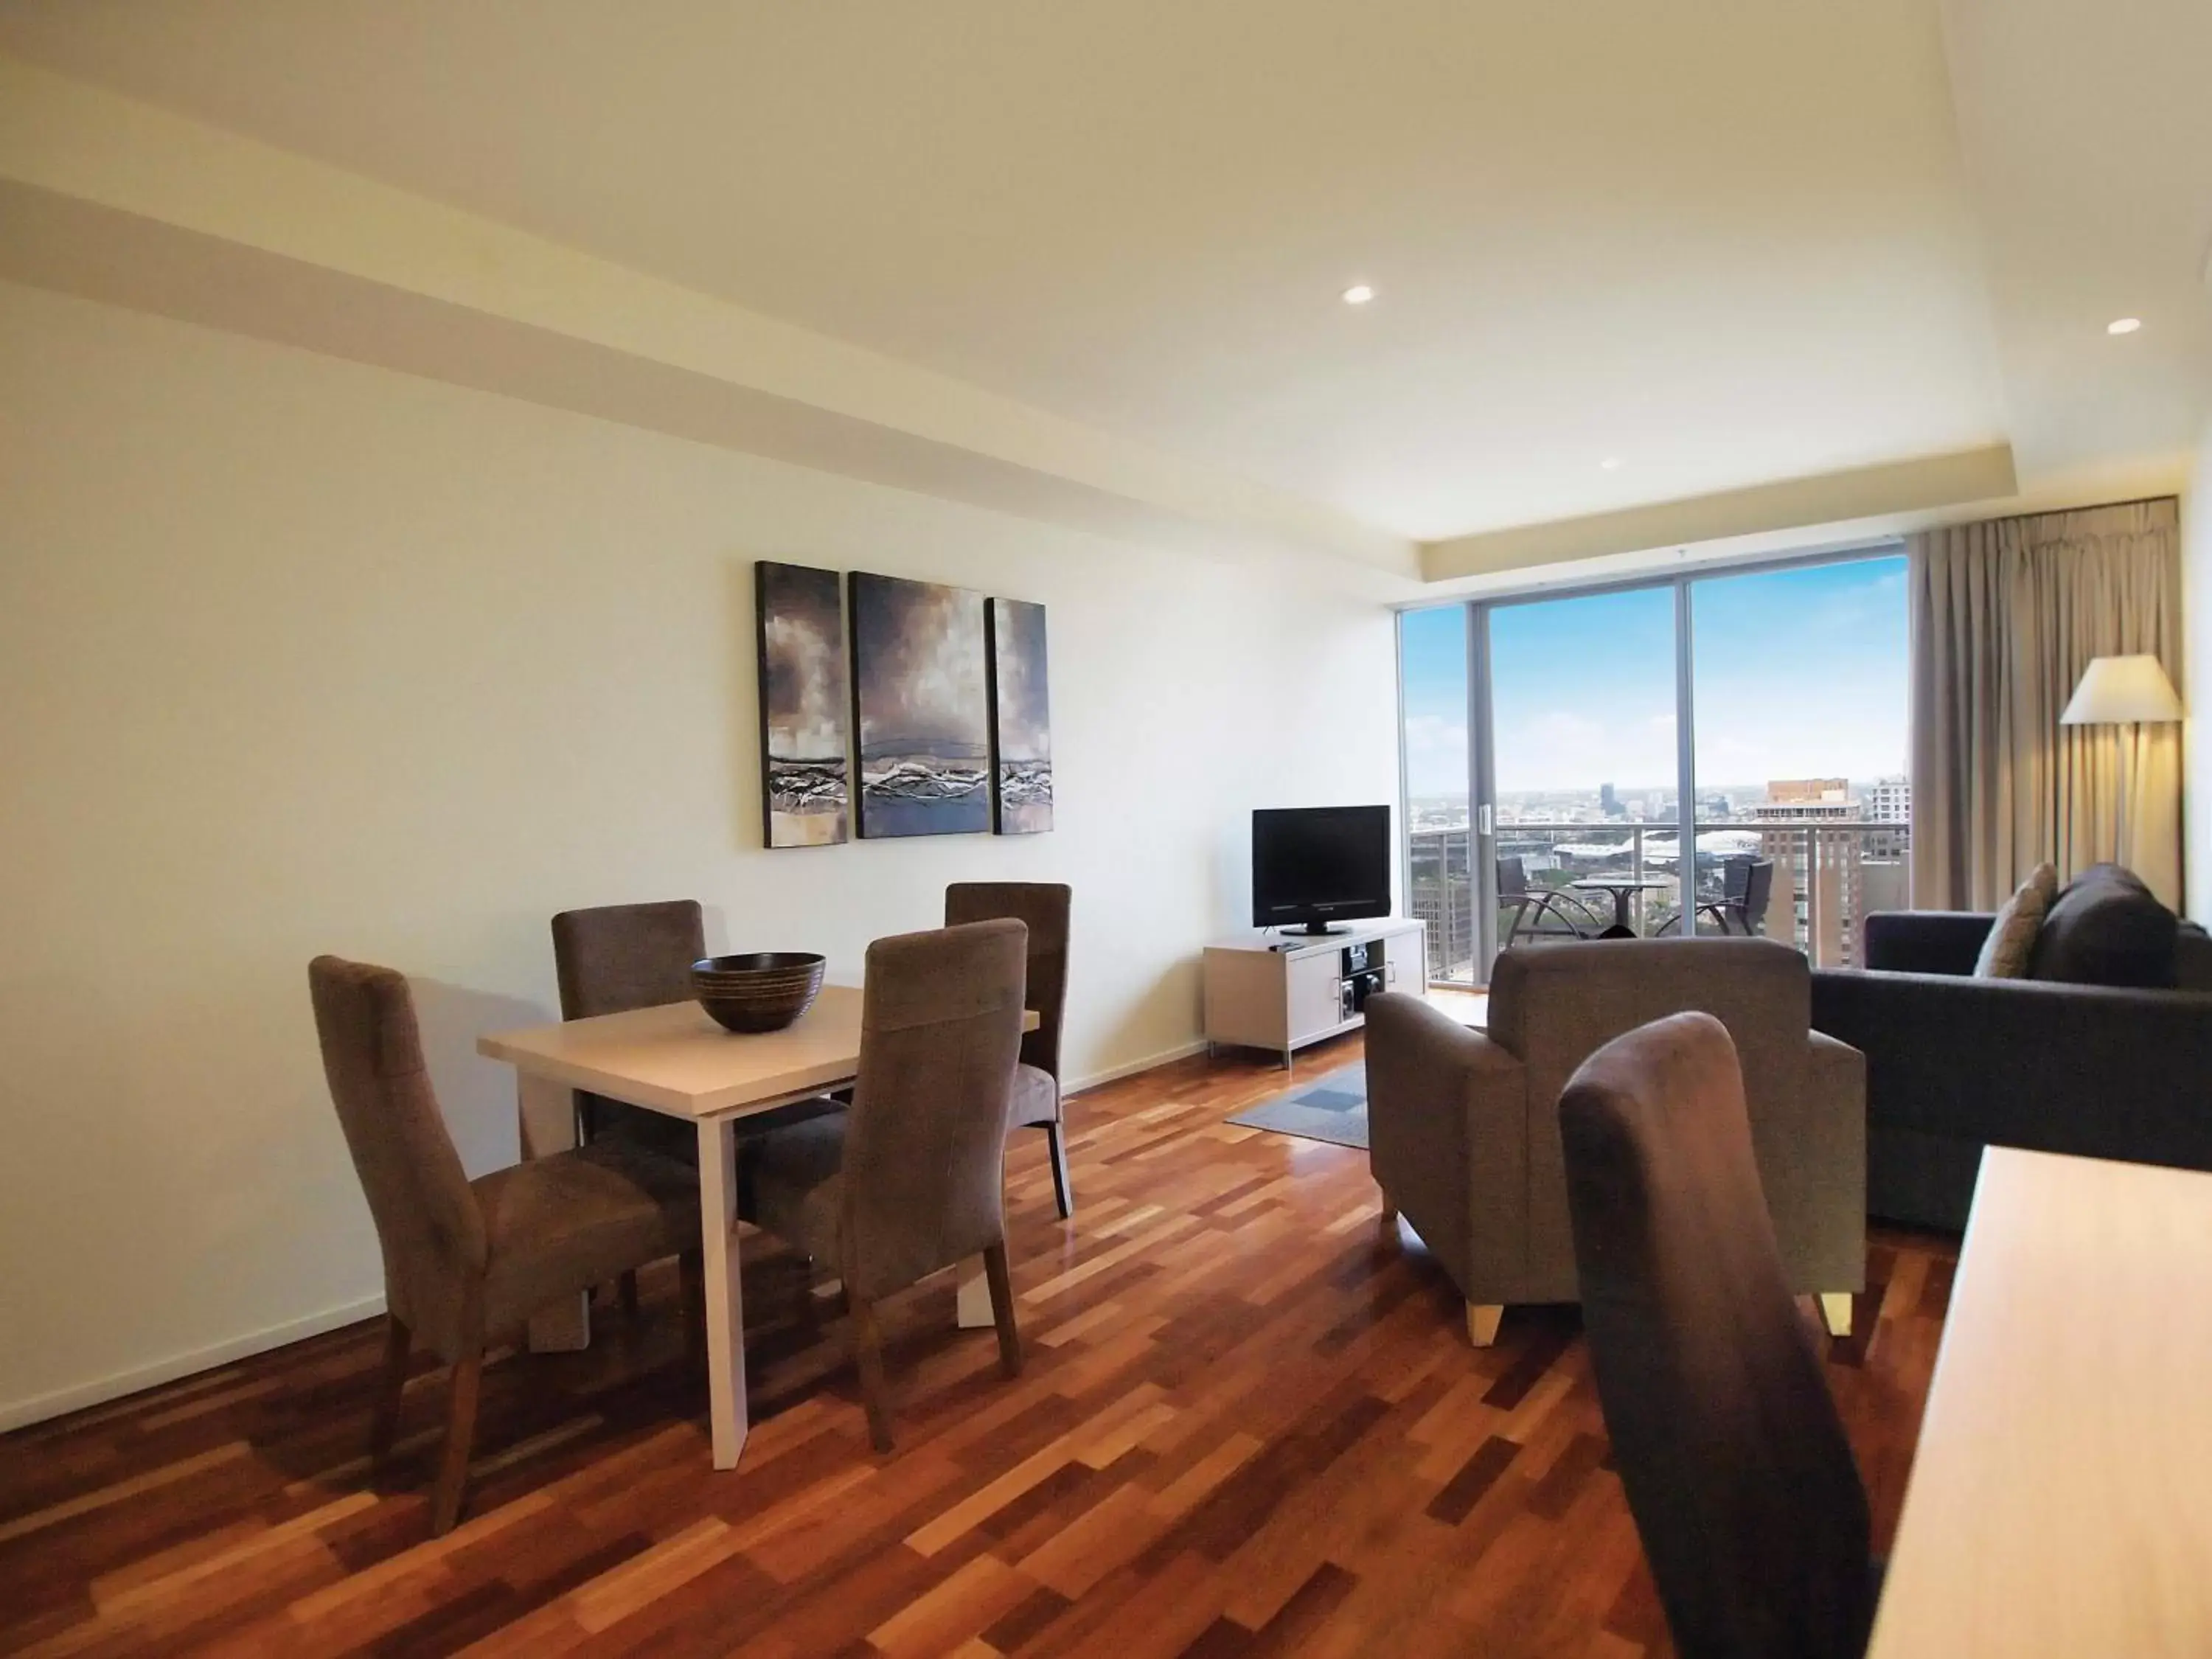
<point>1332,1108</point>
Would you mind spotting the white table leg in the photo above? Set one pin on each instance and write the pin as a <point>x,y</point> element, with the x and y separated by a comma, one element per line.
<point>547,1113</point>
<point>726,1312</point>
<point>975,1301</point>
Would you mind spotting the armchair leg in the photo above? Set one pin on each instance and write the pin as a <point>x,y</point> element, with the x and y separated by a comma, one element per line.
<point>1387,1221</point>
<point>392,1379</point>
<point>1062,1190</point>
<point>460,1438</point>
<point>1482,1318</point>
<point>1836,1312</point>
<point>1002,1308</point>
<point>626,1287</point>
<point>868,1358</point>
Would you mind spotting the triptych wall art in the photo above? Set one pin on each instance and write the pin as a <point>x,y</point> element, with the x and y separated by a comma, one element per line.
<point>1021,719</point>
<point>806,779</point>
<point>949,716</point>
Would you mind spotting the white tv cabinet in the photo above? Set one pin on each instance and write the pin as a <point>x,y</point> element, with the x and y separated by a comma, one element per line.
<point>1283,991</point>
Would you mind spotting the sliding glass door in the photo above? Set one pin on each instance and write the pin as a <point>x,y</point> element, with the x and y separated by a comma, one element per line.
<point>1583,784</point>
<point>1433,679</point>
<point>1717,753</point>
<point>1801,689</point>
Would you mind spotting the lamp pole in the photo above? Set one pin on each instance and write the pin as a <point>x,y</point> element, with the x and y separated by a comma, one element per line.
<point>2122,692</point>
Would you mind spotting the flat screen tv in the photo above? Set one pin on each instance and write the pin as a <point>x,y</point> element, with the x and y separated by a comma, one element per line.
<point>1315,865</point>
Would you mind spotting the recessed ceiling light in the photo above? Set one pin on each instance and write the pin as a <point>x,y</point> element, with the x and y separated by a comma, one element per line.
<point>1611,463</point>
<point>2124,325</point>
<point>1359,294</point>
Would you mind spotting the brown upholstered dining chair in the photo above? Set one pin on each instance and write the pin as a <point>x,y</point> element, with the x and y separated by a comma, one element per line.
<point>612,958</point>
<point>467,1262</point>
<point>1043,906</point>
<point>1735,1463</point>
<point>911,1178</point>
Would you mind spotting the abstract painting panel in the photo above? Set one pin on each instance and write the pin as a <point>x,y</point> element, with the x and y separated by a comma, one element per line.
<point>1021,718</point>
<point>806,779</point>
<point>921,687</point>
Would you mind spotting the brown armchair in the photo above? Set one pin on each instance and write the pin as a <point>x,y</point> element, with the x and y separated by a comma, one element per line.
<point>1043,907</point>
<point>911,1178</point>
<point>467,1262</point>
<point>1463,1125</point>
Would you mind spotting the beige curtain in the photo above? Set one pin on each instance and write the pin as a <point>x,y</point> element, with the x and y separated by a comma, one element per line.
<point>2005,616</point>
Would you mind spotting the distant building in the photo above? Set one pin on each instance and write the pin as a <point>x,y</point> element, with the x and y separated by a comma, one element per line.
<point>1889,801</point>
<point>1853,869</point>
<point>1801,799</point>
<point>1607,802</point>
<point>1440,891</point>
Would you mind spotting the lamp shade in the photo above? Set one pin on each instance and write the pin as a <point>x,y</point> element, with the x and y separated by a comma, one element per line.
<point>2117,690</point>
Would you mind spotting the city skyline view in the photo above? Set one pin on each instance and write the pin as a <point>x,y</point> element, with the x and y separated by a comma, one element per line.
<point>1799,728</point>
<point>1798,672</point>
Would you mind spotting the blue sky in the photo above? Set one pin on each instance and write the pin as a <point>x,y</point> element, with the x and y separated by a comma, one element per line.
<point>1800,673</point>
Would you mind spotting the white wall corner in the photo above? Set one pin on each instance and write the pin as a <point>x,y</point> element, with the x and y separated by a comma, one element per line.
<point>2196,687</point>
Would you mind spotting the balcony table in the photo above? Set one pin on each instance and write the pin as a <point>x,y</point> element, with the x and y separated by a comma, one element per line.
<point>676,1060</point>
<point>1621,887</point>
<point>2061,1499</point>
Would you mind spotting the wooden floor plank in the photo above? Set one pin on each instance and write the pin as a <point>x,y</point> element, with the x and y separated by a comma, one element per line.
<point>1250,1425</point>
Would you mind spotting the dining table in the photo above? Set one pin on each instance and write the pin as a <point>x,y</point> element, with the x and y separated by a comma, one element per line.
<point>2060,1498</point>
<point>675,1059</point>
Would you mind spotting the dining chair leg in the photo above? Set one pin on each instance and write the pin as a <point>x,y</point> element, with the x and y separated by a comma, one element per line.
<point>1002,1308</point>
<point>463,1391</point>
<point>868,1358</point>
<point>1062,1190</point>
<point>691,1290</point>
<point>627,1287</point>
<point>391,1380</point>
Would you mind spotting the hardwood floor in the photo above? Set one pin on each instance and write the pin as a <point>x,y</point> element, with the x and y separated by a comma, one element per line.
<point>1248,1426</point>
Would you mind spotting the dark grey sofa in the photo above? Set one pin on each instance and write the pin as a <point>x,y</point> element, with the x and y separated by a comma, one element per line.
<point>1955,1063</point>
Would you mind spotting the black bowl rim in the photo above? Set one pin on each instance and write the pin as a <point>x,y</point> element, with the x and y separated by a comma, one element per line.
<point>760,962</point>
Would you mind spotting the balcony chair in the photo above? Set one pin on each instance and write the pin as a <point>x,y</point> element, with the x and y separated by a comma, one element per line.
<point>1746,885</point>
<point>1531,905</point>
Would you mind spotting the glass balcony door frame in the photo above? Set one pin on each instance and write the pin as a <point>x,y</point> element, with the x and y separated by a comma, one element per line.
<point>1482,777</point>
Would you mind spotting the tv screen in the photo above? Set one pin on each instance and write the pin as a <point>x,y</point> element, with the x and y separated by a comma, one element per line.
<point>1315,864</point>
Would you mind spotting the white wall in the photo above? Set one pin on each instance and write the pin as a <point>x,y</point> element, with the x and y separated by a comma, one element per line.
<point>297,655</point>
<point>2196,692</point>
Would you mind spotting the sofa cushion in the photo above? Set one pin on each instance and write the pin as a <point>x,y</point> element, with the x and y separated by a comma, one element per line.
<point>2106,928</point>
<point>2011,938</point>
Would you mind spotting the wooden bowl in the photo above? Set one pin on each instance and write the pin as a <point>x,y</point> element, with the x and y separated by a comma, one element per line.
<point>757,990</point>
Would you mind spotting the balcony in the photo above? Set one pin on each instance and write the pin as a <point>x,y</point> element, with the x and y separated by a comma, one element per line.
<point>1827,873</point>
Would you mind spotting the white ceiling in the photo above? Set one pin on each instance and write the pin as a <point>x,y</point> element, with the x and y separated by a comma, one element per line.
<point>1726,243</point>
<point>2087,129</point>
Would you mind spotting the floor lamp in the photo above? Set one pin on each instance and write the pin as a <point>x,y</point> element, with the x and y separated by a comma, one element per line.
<point>2128,692</point>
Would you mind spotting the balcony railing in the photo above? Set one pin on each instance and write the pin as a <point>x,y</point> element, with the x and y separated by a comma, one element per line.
<point>1828,874</point>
